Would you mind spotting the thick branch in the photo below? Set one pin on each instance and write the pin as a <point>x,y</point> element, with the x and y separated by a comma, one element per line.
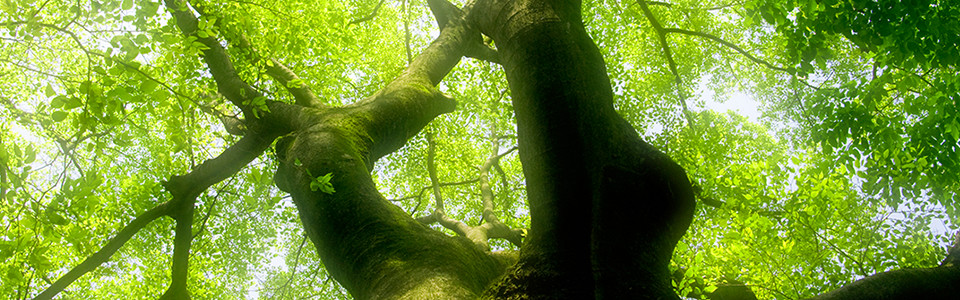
<point>212,171</point>
<point>591,181</point>
<point>930,283</point>
<point>302,93</point>
<point>483,52</point>
<point>418,81</point>
<point>228,81</point>
<point>443,12</point>
<point>182,240</point>
<point>372,247</point>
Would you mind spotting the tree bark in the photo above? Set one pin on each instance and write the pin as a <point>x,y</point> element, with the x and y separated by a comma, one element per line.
<point>370,246</point>
<point>930,283</point>
<point>606,208</point>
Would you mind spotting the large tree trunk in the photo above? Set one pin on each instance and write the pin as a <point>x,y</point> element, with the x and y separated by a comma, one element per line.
<point>606,208</point>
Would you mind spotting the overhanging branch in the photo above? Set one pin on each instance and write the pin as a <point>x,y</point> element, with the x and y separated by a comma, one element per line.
<point>228,81</point>
<point>662,36</point>
<point>376,10</point>
<point>302,93</point>
<point>96,259</point>
<point>728,45</point>
<point>184,189</point>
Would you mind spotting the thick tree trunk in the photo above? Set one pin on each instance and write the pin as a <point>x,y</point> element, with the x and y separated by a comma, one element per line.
<point>370,246</point>
<point>941,282</point>
<point>606,208</point>
<point>930,283</point>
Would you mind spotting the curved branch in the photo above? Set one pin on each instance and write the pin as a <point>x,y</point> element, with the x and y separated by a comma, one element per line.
<point>302,93</point>
<point>729,45</point>
<point>376,10</point>
<point>496,228</point>
<point>95,260</point>
<point>184,189</point>
<point>439,215</point>
<point>662,36</point>
<point>492,227</point>
<point>229,83</point>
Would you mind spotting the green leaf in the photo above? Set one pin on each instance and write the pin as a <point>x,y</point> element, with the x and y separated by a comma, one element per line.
<point>953,128</point>
<point>29,154</point>
<point>58,116</point>
<point>58,101</point>
<point>296,83</point>
<point>72,103</point>
<point>322,183</point>
<point>148,86</point>
<point>14,277</point>
<point>199,45</point>
<point>50,91</point>
<point>126,4</point>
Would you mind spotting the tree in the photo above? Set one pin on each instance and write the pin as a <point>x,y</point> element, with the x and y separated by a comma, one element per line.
<point>118,115</point>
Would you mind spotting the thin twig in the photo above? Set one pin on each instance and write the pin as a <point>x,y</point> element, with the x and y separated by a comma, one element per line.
<point>376,10</point>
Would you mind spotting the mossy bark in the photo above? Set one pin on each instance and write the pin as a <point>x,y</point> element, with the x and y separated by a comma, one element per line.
<point>591,181</point>
<point>370,246</point>
<point>606,208</point>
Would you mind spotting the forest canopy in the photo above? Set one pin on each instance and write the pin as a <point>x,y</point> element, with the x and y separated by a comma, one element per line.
<point>180,147</point>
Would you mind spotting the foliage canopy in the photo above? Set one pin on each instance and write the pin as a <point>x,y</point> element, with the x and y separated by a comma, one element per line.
<point>851,169</point>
